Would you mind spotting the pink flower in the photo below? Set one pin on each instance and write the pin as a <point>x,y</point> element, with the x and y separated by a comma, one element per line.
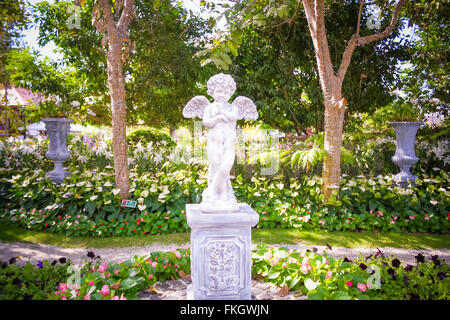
<point>150,276</point>
<point>62,287</point>
<point>370,211</point>
<point>122,297</point>
<point>427,218</point>
<point>362,287</point>
<point>102,268</point>
<point>87,297</point>
<point>105,290</point>
<point>154,264</point>
<point>305,268</point>
<point>284,265</point>
<point>349,283</point>
<point>392,222</point>
<point>322,222</point>
<point>329,273</point>
<point>91,283</point>
<point>369,284</point>
<point>406,220</point>
<point>346,221</point>
<point>116,298</point>
<point>63,297</point>
<point>412,217</point>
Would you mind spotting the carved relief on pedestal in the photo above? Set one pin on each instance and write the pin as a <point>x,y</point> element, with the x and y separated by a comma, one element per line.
<point>223,263</point>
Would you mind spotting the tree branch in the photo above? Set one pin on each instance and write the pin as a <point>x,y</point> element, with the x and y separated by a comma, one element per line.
<point>108,16</point>
<point>356,40</point>
<point>365,40</point>
<point>125,18</point>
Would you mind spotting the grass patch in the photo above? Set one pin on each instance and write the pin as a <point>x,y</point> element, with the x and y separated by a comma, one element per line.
<point>367,239</point>
<point>13,234</point>
<point>270,236</point>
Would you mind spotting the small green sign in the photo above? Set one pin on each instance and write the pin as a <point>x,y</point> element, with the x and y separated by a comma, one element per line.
<point>129,203</point>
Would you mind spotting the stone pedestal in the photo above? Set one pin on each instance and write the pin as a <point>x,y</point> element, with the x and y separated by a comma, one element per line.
<point>221,253</point>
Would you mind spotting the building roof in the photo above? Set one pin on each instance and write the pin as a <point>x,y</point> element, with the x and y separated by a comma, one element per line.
<point>20,96</point>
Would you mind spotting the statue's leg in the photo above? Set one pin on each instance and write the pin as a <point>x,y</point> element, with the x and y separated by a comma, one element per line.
<point>225,168</point>
<point>214,158</point>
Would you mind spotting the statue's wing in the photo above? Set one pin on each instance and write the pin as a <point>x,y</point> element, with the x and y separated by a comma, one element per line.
<point>246,107</point>
<point>195,107</point>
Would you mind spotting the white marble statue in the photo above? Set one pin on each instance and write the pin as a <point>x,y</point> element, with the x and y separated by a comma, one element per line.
<point>220,117</point>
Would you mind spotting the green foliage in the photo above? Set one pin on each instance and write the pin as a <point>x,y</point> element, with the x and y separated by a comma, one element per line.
<point>60,87</point>
<point>426,78</point>
<point>114,281</point>
<point>273,61</point>
<point>400,110</point>
<point>148,135</point>
<point>308,153</point>
<point>161,74</point>
<point>31,282</point>
<point>318,276</point>
<point>321,277</point>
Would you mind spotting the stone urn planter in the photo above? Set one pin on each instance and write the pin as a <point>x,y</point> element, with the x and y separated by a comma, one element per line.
<point>57,131</point>
<point>405,156</point>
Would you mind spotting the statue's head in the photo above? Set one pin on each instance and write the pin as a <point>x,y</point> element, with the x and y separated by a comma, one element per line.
<point>221,87</point>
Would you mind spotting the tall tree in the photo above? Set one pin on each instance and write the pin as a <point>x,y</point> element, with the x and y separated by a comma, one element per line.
<point>115,28</point>
<point>331,80</point>
<point>276,66</point>
<point>159,72</point>
<point>331,84</point>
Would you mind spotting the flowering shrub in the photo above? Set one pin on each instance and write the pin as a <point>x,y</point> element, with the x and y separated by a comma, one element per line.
<point>318,276</point>
<point>375,277</point>
<point>122,281</point>
<point>88,204</point>
<point>31,282</point>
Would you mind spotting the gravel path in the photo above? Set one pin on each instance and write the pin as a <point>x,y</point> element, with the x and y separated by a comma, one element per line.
<point>35,252</point>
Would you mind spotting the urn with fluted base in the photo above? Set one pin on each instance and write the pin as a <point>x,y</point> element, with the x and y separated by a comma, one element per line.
<point>57,132</point>
<point>405,156</point>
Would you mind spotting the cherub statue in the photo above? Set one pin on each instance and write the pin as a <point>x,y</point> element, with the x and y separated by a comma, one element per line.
<point>220,117</point>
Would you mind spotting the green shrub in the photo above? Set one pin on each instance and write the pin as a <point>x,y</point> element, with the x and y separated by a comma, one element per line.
<point>31,282</point>
<point>148,135</point>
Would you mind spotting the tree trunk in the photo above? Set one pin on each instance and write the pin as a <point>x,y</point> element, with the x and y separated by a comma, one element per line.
<point>331,84</point>
<point>334,119</point>
<point>116,34</point>
<point>119,112</point>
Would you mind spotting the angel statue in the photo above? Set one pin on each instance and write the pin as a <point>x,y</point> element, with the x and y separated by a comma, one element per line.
<point>220,118</point>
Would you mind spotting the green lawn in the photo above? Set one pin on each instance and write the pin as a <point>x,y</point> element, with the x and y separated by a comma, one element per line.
<point>272,236</point>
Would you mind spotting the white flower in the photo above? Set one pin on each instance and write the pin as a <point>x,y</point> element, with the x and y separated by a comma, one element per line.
<point>139,148</point>
<point>82,159</point>
<point>75,104</point>
<point>158,158</point>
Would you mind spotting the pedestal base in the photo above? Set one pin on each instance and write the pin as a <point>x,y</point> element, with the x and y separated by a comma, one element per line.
<point>221,253</point>
<point>58,175</point>
<point>404,180</point>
